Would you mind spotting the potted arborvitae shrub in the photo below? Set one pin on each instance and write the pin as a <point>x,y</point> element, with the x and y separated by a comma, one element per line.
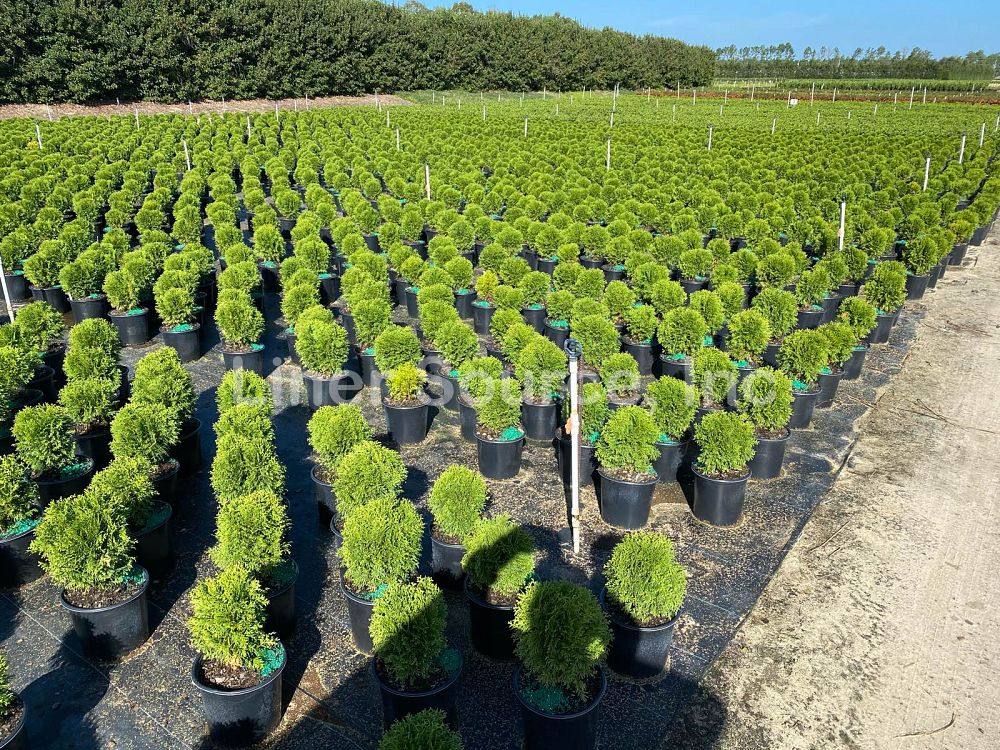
<point>458,344</point>
<point>406,404</point>
<point>715,377</point>
<point>38,328</point>
<point>561,636</point>
<point>672,404</point>
<point>499,562</point>
<point>499,435</point>
<point>17,367</point>
<point>323,349</point>
<point>414,667</point>
<point>333,432</point>
<point>245,457</point>
<point>535,287</point>
<point>766,400</point>
<point>460,270</point>
<point>810,291</point>
<point>621,379</point>
<point>251,533</point>
<point>42,271</point>
<point>420,731</point>
<point>239,664</point>
<point>483,308</point>
<point>541,367</point>
<point>371,318</point>
<point>681,335</point>
<point>94,350</point>
<point>625,454</point>
<point>475,378</point>
<point>599,338</point>
<point>240,325</point>
<point>86,549</point>
<point>13,713</point>
<point>637,338</point>
<point>885,290</point>
<point>749,335</point>
<point>860,315</point>
<point>802,357</point>
<point>643,596</point>
<point>91,402</point>
<point>726,445</point>
<point>43,438</point>
<point>82,280</point>
<point>456,502</point>
<point>366,472</point>
<point>780,309</point>
<point>147,431</point>
<point>18,519</point>
<point>179,326</point>
<point>558,307</point>
<point>396,345</point>
<point>694,266</point>
<point>160,378</point>
<point>840,341</point>
<point>594,413</point>
<point>124,290</point>
<point>381,548</point>
<point>920,255</point>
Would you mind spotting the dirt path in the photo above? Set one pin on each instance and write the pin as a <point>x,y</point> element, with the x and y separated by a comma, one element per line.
<point>44,111</point>
<point>880,630</point>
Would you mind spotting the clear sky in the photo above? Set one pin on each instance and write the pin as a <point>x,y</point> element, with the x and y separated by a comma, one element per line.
<point>943,28</point>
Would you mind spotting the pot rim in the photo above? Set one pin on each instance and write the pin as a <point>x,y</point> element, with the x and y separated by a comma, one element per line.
<point>206,688</point>
<point>9,539</point>
<point>703,475</point>
<point>347,592</point>
<point>787,437</point>
<point>194,425</point>
<point>316,479</point>
<point>519,670</point>
<point>677,444</point>
<point>452,545</point>
<point>145,311</point>
<point>403,408</point>
<point>194,328</point>
<point>17,731</point>
<point>98,610</point>
<point>284,589</point>
<point>653,480</point>
<point>452,679</point>
<point>629,626</point>
<point>162,523</point>
<point>51,482</point>
<point>479,601</point>
<point>481,439</point>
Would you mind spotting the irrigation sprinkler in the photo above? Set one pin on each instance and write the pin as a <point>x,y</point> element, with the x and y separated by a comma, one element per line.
<point>574,350</point>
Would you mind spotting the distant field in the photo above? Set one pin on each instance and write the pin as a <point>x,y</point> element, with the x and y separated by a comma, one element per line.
<point>872,86</point>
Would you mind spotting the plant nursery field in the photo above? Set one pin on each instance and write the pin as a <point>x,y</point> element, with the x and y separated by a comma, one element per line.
<point>298,403</point>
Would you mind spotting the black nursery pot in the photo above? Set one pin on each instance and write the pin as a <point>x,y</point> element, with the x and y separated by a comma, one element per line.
<point>540,420</point>
<point>321,391</point>
<point>489,626</point>
<point>499,459</point>
<point>326,502</point>
<point>625,504</point>
<point>591,262</point>
<point>481,317</point>
<point>853,366</point>
<point>718,501</point>
<point>238,718</point>
<point>329,288</point>
<point>675,368</point>
<point>544,731</point>
<point>770,356</point>
<point>281,607</point>
<point>613,274</point>
<point>769,457</point>
<point>810,318</point>
<point>412,308</point>
<point>534,317</point>
<point>957,254</point>
<point>54,295</point>
<point>641,353</point>
<point>883,327</point>
<point>638,652</point>
<point>916,286</point>
<point>88,308</point>
<point>166,484</point>
<point>848,289</point>
<point>469,419</point>
<point>449,387</point>
<point>186,340</point>
<point>18,565</point>
<point>17,286</point>
<point>187,452</point>
<point>73,483</point>
<point>398,704</point>
<point>109,633</point>
<point>828,383</point>
<point>803,403</point>
<point>370,375</point>
<point>252,360</point>
<point>95,445</point>
<point>830,305</point>
<point>463,303</point>
<point>692,285</point>
<point>133,326</point>
<point>269,279</point>
<point>154,549</point>
<point>671,456</point>
<point>556,335</point>
<point>359,612</point>
<point>407,424</point>
<point>45,383</point>
<point>547,265</point>
<point>446,563</point>
<point>588,462</point>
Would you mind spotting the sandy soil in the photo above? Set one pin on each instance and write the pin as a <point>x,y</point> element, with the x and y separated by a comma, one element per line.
<point>56,111</point>
<point>880,630</point>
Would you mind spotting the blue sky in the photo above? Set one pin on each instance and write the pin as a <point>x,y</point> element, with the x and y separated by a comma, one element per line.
<point>944,28</point>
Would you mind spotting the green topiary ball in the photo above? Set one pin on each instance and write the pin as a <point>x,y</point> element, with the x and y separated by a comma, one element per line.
<point>644,580</point>
<point>426,730</point>
<point>499,559</point>
<point>407,629</point>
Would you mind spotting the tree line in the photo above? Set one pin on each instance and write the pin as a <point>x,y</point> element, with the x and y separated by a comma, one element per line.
<point>780,61</point>
<point>174,50</point>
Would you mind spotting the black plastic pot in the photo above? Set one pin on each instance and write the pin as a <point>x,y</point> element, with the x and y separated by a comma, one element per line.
<point>321,391</point>
<point>54,295</point>
<point>957,254</point>
<point>848,289</point>
<point>770,355</point>
<point>672,455</point>
<point>370,375</point>
<point>853,366</point>
<point>407,424</point>
<point>166,484</point>
<point>625,504</point>
<point>935,274</point>
<point>44,381</point>
<point>447,383</point>
<point>545,731</point>
<point>591,262</point>
<point>481,317</point>
<point>556,335</point>
<point>252,360</point>
<point>95,445</point>
<point>88,308</point>
<point>239,718</point>
<point>613,274</point>
<point>329,288</point>
<point>499,459</point>
<point>534,317</point>
<point>828,383</point>
<point>17,286</point>
<point>359,612</point>
<point>326,501</point>
<point>412,308</point>
<point>463,303</point>
<point>718,501</point>
<point>638,652</point>
<point>916,286</point>
<point>133,326</point>
<point>540,420</point>
<point>692,285</point>
<point>18,737</point>
<point>883,327</point>
<point>803,403</point>
<point>644,354</point>
<point>469,418</point>
<point>154,549</point>
<point>50,490</point>
<point>398,704</point>
<point>18,565</point>
<point>489,625</point>
<point>769,457</point>
<point>108,633</point>
<point>547,265</point>
<point>675,368</point>
<point>280,610</point>
<point>186,340</point>
<point>446,563</point>
<point>270,281</point>
<point>187,452</point>
<point>290,343</point>
<point>810,318</point>
<point>830,305</point>
<point>588,463</point>
<point>347,321</point>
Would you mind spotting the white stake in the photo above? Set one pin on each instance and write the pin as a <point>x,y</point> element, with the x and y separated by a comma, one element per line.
<point>248,127</point>
<point>557,107</point>
<point>848,114</point>
<point>38,135</point>
<point>387,117</point>
<point>817,118</point>
<point>720,110</point>
<point>48,111</point>
<point>607,160</point>
<point>961,152</point>
<point>875,113</point>
<point>673,117</point>
<point>694,95</point>
<point>484,112</point>
<point>6,292</point>
<point>774,123</point>
<point>789,104</point>
<point>812,94</point>
<point>912,89</point>
<point>136,118</point>
<point>753,88</point>
<point>996,125</point>
<point>545,93</point>
<point>427,180</point>
<point>925,95</point>
<point>433,97</point>
<point>927,171</point>
<point>574,432</point>
<point>982,134</point>
<point>709,136</point>
<point>187,156</point>
<point>223,104</point>
<point>190,108</point>
<point>612,118</point>
<point>834,101</point>
<point>275,110</point>
<point>895,96</point>
<point>725,97</point>
<point>843,216</point>
<point>397,140</point>
<point>525,127</point>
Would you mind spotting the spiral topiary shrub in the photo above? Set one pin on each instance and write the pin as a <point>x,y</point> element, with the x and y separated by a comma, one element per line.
<point>407,629</point>
<point>456,501</point>
<point>381,545</point>
<point>499,559</point>
<point>726,441</point>
<point>645,583</point>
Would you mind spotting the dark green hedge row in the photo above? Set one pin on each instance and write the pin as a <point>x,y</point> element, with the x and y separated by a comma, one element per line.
<point>82,50</point>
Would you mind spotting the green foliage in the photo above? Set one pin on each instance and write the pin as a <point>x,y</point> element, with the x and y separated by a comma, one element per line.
<point>7,694</point>
<point>560,634</point>
<point>239,322</point>
<point>460,270</point>
<point>766,399</point>
<point>672,405</point>
<point>502,320</point>
<point>920,255</point>
<point>559,305</point>
<point>619,299</point>
<point>456,501</point>
<point>145,431</point>
<point>18,496</point>
<point>89,401</point>
<point>858,313</point>
<point>620,374</point>
<point>589,284</point>
<point>695,264</point>
<point>726,441</point>
<point>81,278</point>
<point>541,367</point>
<point>500,406</point>
<point>251,533</point>
<point>381,544</point>
<point>780,308</point>
<point>594,411</point>
<point>434,315</point>
<point>126,488</point>
<point>499,557</point>
<point>366,472</point>
<point>644,579</point>
<point>598,337</point>
<point>534,287</point>
<point>775,271</point>
<point>508,298</point>
<point>886,288</point>
<point>517,336</point>
<point>123,289</point>
<point>96,333</point>
<point>227,620</point>
<point>38,325</point>
<point>709,306</point>
<point>812,287</point>
<point>407,629</point>
<point>566,274</point>
<point>334,431</point>
<point>628,441</point>
<point>243,387</point>
<point>840,341</point>
<point>371,317</point>
<point>425,730</point>
<point>749,334</point>
<point>476,376</point>
<point>486,286</point>
<point>160,378</point>
<point>803,355</point>
<point>457,342</point>
<point>296,300</point>
<point>682,331</point>
<point>322,346</point>
<point>405,383</point>
<point>17,368</point>
<point>640,323</point>
<point>175,307</point>
<point>84,544</point>
<point>244,463</point>
<point>395,346</point>
<point>245,419</point>
<point>667,295</point>
<point>43,438</point>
